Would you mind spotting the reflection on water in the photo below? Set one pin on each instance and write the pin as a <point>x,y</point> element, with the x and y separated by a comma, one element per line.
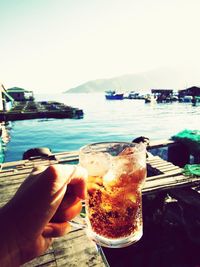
<point>104,120</point>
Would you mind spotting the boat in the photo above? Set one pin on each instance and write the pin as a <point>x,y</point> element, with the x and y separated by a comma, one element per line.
<point>150,99</point>
<point>196,101</point>
<point>112,95</point>
<point>133,95</point>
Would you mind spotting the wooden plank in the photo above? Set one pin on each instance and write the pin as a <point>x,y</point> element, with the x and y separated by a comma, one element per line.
<point>24,169</point>
<point>165,175</point>
<point>65,160</point>
<point>14,175</point>
<point>35,164</point>
<point>42,260</point>
<point>154,159</point>
<point>75,249</point>
<point>9,189</point>
<point>169,168</point>
<point>22,163</point>
<point>13,163</point>
<point>39,161</point>
<point>169,182</point>
<point>161,164</point>
<point>9,186</point>
<point>77,252</point>
<point>48,264</point>
<point>160,143</point>
<point>7,171</point>
<point>18,179</point>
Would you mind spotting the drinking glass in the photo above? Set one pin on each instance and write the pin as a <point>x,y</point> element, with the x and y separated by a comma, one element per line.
<point>116,175</point>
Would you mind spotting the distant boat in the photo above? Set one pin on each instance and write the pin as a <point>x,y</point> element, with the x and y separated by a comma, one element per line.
<point>112,95</point>
<point>133,95</point>
<point>150,99</point>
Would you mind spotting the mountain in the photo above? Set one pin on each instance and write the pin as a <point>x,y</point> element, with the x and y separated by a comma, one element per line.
<point>160,78</point>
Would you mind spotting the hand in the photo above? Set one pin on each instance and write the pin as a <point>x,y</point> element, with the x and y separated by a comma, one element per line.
<point>39,211</point>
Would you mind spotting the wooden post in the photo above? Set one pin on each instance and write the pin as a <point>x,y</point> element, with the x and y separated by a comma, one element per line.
<point>178,154</point>
<point>1,98</point>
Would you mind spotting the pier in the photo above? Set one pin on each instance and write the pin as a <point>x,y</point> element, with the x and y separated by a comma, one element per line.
<point>171,208</point>
<point>26,110</point>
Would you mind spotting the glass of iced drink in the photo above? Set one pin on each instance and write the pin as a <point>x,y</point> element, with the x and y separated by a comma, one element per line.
<point>116,174</point>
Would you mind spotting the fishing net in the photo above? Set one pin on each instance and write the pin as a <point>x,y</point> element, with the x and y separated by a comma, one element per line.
<point>192,170</point>
<point>191,139</point>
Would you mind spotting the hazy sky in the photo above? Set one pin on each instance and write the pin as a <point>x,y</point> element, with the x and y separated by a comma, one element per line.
<point>53,45</point>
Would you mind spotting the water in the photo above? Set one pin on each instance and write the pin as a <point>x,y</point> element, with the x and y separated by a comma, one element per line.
<point>104,120</point>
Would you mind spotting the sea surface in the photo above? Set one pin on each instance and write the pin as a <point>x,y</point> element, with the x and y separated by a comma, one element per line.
<point>104,120</point>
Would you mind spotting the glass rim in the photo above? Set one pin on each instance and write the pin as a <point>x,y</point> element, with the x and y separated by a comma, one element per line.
<point>89,148</point>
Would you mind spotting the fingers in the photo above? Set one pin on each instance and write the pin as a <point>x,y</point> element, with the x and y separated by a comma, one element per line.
<point>62,175</point>
<point>71,205</point>
<point>56,229</point>
<point>77,185</point>
<point>67,210</point>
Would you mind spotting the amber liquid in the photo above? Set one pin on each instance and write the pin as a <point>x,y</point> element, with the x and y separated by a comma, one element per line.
<point>114,211</point>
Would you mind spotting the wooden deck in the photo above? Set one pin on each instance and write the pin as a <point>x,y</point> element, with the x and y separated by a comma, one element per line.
<point>75,249</point>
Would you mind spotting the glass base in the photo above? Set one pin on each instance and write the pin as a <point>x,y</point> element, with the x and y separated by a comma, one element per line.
<point>115,243</point>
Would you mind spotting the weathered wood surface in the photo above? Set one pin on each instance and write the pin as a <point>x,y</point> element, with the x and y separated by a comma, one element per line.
<point>166,175</point>
<point>170,176</point>
<point>75,249</point>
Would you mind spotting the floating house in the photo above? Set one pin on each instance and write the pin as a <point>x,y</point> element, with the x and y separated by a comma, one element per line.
<point>6,101</point>
<point>191,91</point>
<point>164,92</point>
<point>162,95</point>
<point>20,94</point>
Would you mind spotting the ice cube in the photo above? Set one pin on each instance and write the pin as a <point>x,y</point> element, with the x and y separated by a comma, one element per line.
<point>109,178</point>
<point>117,168</point>
<point>97,164</point>
<point>122,166</point>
